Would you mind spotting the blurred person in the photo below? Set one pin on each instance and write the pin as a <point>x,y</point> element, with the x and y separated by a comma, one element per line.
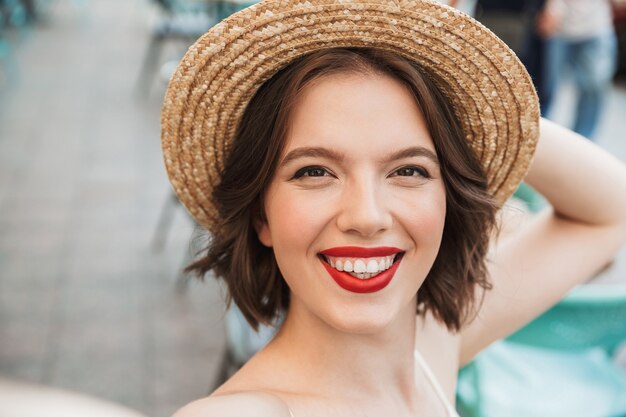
<point>349,159</point>
<point>506,19</point>
<point>580,38</point>
<point>533,45</point>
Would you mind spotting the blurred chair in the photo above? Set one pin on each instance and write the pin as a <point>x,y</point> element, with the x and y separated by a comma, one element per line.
<point>160,236</point>
<point>165,222</point>
<point>182,21</point>
<point>241,343</point>
<point>171,204</point>
<point>218,10</point>
<point>14,13</point>
<point>561,364</point>
<point>6,57</point>
<point>13,21</point>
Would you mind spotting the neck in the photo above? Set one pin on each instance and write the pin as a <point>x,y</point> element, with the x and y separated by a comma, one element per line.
<point>360,366</point>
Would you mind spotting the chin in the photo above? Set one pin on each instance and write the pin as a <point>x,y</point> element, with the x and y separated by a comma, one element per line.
<point>369,320</point>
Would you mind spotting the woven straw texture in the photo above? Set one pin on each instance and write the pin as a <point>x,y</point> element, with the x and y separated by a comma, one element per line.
<point>490,90</point>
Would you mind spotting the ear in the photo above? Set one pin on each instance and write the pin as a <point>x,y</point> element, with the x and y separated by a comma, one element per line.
<point>264,234</point>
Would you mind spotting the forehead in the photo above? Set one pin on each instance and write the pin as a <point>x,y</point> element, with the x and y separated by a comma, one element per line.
<point>357,110</point>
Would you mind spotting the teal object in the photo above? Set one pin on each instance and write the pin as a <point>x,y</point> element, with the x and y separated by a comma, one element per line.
<point>589,316</point>
<point>514,380</point>
<point>560,364</point>
<point>533,200</point>
<point>226,8</point>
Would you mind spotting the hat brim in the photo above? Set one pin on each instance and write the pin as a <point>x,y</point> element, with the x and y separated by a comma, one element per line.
<point>488,87</point>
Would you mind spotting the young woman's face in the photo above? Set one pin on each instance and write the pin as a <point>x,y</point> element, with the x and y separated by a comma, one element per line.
<point>358,188</point>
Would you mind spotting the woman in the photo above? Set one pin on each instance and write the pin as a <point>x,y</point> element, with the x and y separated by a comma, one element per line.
<point>349,159</point>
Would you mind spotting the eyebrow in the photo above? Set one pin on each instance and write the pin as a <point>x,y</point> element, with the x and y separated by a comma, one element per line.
<point>320,152</point>
<point>312,152</point>
<point>413,151</point>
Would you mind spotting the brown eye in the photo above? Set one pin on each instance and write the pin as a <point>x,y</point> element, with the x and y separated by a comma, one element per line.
<point>312,171</point>
<point>411,171</point>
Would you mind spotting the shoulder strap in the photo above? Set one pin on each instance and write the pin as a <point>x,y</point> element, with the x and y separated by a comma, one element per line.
<point>281,400</point>
<point>434,383</point>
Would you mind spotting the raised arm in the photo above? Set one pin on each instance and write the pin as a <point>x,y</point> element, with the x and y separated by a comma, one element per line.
<point>559,248</point>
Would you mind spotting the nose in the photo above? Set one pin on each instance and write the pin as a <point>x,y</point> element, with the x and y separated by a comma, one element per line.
<point>364,209</point>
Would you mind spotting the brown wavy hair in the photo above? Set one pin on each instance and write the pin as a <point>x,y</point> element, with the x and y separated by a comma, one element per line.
<point>249,269</point>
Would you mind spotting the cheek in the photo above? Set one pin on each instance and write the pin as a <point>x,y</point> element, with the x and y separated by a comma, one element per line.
<point>424,218</point>
<point>434,218</point>
<point>295,224</point>
<point>294,221</point>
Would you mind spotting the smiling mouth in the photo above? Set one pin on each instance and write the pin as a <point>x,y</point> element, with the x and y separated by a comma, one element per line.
<point>362,268</point>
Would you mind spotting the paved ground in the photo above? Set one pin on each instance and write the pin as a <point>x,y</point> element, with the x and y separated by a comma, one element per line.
<point>85,302</point>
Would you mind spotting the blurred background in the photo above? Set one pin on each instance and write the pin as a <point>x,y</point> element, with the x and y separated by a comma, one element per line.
<point>92,299</point>
<point>88,300</point>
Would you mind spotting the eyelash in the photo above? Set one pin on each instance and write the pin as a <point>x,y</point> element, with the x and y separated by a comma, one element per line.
<point>308,170</point>
<point>422,172</point>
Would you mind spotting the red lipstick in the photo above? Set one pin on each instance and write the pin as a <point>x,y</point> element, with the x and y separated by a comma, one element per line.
<point>359,252</point>
<point>357,285</point>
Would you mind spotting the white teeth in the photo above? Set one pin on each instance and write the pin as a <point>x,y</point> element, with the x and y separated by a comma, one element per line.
<point>362,268</point>
<point>359,266</point>
<point>372,266</point>
<point>338,265</point>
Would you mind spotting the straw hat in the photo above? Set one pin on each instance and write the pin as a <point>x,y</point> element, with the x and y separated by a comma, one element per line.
<point>491,92</point>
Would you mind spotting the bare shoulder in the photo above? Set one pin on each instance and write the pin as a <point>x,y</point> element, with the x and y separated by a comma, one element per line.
<point>240,404</point>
